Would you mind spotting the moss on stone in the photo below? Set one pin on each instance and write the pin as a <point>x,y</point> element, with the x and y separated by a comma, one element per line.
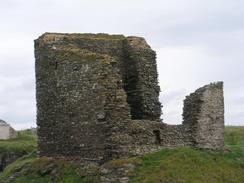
<point>47,37</point>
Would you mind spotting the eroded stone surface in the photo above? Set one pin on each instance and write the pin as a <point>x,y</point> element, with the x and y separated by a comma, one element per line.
<point>97,99</point>
<point>204,116</point>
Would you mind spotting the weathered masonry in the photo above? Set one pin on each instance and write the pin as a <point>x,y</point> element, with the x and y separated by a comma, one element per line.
<point>98,99</point>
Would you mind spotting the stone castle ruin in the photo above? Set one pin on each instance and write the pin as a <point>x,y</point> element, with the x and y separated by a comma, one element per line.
<point>98,99</point>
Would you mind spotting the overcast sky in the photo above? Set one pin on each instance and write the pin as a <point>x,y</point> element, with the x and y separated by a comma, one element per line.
<point>197,42</point>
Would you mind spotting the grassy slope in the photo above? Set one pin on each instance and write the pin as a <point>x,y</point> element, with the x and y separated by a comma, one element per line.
<point>44,170</point>
<point>183,165</point>
<point>234,142</point>
<point>188,165</point>
<point>191,165</point>
<point>24,142</point>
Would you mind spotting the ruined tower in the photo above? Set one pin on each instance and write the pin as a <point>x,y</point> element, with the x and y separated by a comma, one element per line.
<point>87,86</point>
<point>98,99</point>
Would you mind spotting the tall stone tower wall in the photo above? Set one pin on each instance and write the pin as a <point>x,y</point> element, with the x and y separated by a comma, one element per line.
<point>141,78</point>
<point>82,86</point>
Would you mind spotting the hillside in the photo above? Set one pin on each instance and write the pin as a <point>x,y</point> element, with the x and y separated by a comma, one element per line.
<point>24,142</point>
<point>12,149</point>
<point>182,165</point>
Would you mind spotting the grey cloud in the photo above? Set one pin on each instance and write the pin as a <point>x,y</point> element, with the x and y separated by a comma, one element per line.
<point>239,101</point>
<point>197,42</point>
<point>17,101</point>
<point>167,97</point>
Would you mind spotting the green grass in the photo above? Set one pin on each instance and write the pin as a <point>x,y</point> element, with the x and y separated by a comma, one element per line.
<point>182,165</point>
<point>186,165</point>
<point>46,170</point>
<point>234,141</point>
<point>24,142</point>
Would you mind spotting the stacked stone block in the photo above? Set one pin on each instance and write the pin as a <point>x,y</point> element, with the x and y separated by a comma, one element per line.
<point>98,99</point>
<point>82,94</point>
<point>141,79</point>
<point>203,117</point>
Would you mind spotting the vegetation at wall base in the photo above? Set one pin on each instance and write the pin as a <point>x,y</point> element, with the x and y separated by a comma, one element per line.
<point>187,165</point>
<point>181,165</point>
<point>43,170</point>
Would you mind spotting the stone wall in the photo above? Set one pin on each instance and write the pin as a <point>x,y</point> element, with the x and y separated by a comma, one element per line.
<point>98,99</point>
<point>82,87</point>
<point>141,79</point>
<point>203,117</point>
<point>203,125</point>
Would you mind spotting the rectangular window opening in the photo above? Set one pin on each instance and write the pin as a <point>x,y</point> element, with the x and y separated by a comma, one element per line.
<point>157,136</point>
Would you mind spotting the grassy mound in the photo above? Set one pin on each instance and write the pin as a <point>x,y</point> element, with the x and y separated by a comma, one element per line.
<point>182,165</point>
<point>44,170</point>
<point>191,165</point>
<point>24,142</point>
<point>187,165</point>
